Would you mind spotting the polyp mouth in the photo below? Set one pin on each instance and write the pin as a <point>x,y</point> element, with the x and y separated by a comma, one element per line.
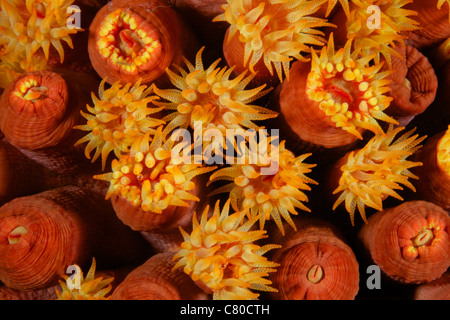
<point>128,41</point>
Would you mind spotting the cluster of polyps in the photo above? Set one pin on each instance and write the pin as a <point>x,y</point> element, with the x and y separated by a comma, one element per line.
<point>128,41</point>
<point>350,93</point>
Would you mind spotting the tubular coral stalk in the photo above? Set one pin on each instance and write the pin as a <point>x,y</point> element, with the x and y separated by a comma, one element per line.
<point>154,280</point>
<point>119,115</point>
<point>315,264</point>
<point>211,98</point>
<point>414,84</point>
<point>410,242</point>
<point>38,111</point>
<point>51,226</point>
<point>272,194</point>
<point>137,39</point>
<point>272,33</point>
<point>221,257</point>
<point>434,176</point>
<point>369,175</point>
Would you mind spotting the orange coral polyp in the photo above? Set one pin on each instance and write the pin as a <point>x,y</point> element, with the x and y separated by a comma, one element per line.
<point>119,115</point>
<point>127,42</point>
<point>268,196</point>
<point>276,31</point>
<point>220,254</point>
<point>374,172</point>
<point>443,152</point>
<point>148,176</point>
<point>91,288</point>
<point>27,27</point>
<point>210,96</point>
<point>350,93</point>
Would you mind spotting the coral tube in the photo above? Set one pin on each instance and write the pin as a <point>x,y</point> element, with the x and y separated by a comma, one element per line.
<point>315,264</point>
<point>52,226</point>
<point>410,242</point>
<point>414,84</point>
<point>434,175</point>
<point>136,39</point>
<point>155,280</point>
<point>37,112</point>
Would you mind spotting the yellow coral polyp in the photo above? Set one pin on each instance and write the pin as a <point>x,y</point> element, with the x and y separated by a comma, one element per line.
<point>350,93</point>
<point>119,115</point>
<point>332,4</point>
<point>379,34</point>
<point>275,195</point>
<point>91,288</point>
<point>221,254</point>
<point>28,27</point>
<point>276,31</point>
<point>212,98</point>
<point>150,177</point>
<point>443,149</point>
<point>378,169</point>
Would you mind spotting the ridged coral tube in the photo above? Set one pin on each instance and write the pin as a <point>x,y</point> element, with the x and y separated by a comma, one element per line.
<point>66,226</point>
<point>315,264</point>
<point>410,242</point>
<point>137,39</point>
<point>154,280</point>
<point>37,112</point>
<point>438,289</point>
<point>434,176</point>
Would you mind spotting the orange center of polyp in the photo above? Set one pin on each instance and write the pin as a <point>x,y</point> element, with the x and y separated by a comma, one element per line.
<point>423,238</point>
<point>315,274</point>
<point>15,235</point>
<point>342,92</point>
<point>31,90</point>
<point>128,41</point>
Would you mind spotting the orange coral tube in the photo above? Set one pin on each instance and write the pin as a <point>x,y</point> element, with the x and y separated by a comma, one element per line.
<point>155,280</point>
<point>315,264</point>
<point>52,226</point>
<point>136,39</point>
<point>414,84</point>
<point>38,111</point>
<point>410,242</point>
<point>434,177</point>
<point>438,289</point>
